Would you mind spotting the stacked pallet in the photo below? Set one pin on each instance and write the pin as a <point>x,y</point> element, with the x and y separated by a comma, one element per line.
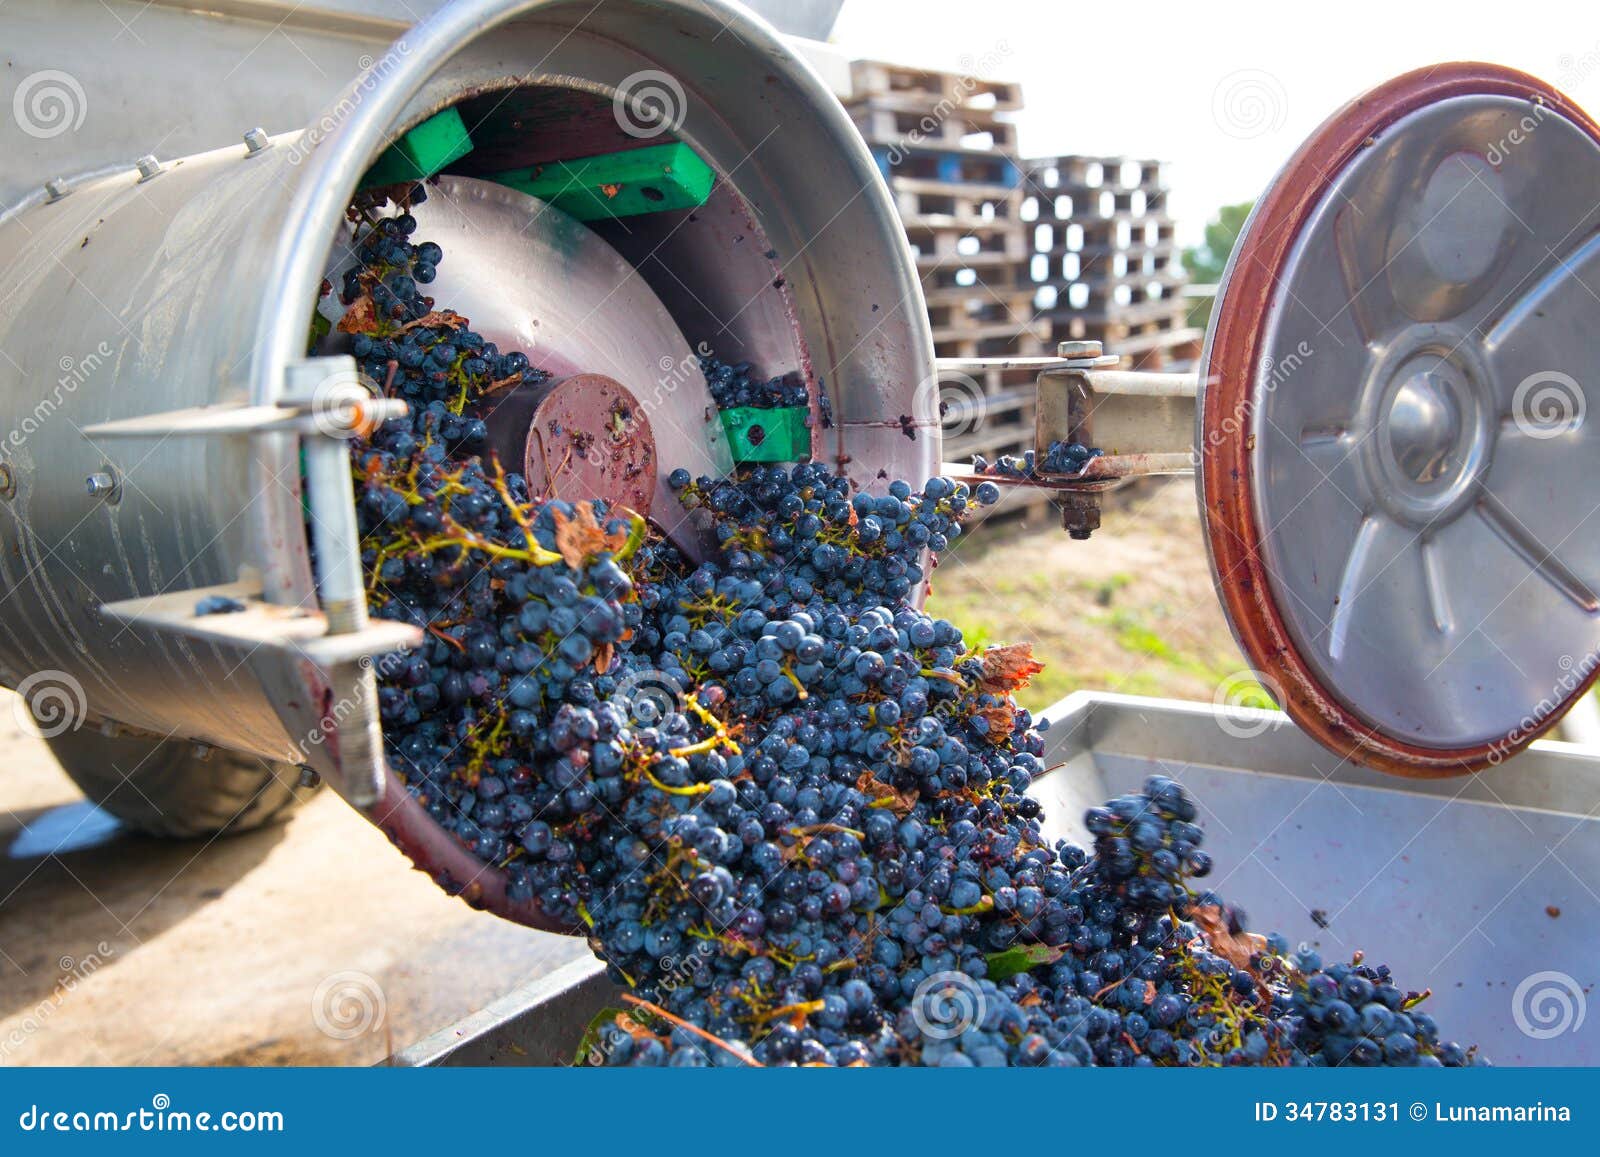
<point>947,148</point>
<point>1105,264</point>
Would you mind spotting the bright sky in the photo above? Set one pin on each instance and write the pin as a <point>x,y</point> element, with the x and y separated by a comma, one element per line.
<point>1225,91</point>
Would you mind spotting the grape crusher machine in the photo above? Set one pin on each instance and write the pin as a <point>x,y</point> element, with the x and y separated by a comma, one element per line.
<point>1387,426</point>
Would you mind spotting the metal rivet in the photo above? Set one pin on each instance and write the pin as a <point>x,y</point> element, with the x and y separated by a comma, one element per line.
<point>256,141</point>
<point>56,188</point>
<point>149,167</point>
<point>1079,349</point>
<point>103,484</point>
<point>8,481</point>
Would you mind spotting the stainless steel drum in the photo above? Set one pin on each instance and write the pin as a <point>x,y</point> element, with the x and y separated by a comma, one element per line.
<point>172,303</point>
<point>1395,448</point>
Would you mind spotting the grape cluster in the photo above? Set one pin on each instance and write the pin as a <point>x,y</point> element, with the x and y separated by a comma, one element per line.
<point>736,386</point>
<point>787,807</point>
<point>1060,458</point>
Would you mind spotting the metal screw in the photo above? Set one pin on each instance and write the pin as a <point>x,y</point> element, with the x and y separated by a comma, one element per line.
<point>8,481</point>
<point>1080,513</point>
<point>56,188</point>
<point>1079,349</point>
<point>103,484</point>
<point>149,167</point>
<point>256,141</point>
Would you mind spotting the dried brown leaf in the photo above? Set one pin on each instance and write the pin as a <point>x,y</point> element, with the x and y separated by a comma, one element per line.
<point>1237,950</point>
<point>581,537</point>
<point>902,801</point>
<point>1007,668</point>
<point>361,317</point>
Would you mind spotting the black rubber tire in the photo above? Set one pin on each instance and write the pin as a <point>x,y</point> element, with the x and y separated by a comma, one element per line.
<point>166,788</point>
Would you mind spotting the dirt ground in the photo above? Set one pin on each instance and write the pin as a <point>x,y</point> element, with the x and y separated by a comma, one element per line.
<point>311,943</point>
<point>1130,610</point>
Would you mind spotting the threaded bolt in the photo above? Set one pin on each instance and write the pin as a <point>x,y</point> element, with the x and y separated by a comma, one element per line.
<point>103,484</point>
<point>149,167</point>
<point>256,141</point>
<point>56,188</point>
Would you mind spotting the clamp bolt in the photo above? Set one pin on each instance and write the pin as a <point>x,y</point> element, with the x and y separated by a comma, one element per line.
<point>103,484</point>
<point>256,141</point>
<point>1079,349</point>
<point>55,189</point>
<point>149,167</point>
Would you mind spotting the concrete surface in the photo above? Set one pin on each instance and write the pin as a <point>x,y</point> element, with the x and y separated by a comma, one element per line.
<point>309,942</point>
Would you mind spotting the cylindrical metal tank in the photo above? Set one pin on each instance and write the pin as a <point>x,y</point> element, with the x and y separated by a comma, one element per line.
<point>151,291</point>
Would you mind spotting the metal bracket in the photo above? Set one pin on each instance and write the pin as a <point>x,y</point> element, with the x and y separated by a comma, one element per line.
<point>326,401</point>
<point>1143,423</point>
<point>261,624</point>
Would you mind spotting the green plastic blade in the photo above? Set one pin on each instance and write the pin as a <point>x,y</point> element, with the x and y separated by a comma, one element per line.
<point>624,184</point>
<point>438,141</point>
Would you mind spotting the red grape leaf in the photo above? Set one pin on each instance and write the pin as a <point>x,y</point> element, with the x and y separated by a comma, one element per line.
<point>1007,668</point>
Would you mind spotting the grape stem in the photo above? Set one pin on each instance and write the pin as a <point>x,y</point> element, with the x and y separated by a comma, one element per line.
<point>741,1053</point>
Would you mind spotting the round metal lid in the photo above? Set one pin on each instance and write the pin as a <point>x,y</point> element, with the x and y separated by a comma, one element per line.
<point>1394,444</point>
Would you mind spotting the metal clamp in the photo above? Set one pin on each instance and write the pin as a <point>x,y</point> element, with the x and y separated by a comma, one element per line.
<point>1143,423</point>
<point>325,401</point>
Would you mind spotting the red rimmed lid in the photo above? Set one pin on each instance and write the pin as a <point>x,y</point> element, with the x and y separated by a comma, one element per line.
<point>1393,422</point>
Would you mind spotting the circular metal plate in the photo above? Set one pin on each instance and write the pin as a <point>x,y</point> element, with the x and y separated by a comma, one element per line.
<point>1394,451</point>
<point>531,278</point>
<point>590,438</point>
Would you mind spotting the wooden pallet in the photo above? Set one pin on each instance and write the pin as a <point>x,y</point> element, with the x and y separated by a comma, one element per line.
<point>918,88</point>
<point>1019,342</point>
<point>937,205</point>
<point>948,166</point>
<point>939,125</point>
<point>1088,172</point>
<point>983,312</point>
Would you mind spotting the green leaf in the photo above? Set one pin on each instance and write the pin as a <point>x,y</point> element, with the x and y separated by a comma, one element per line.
<point>320,328</point>
<point>1022,958</point>
<point>589,1052</point>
